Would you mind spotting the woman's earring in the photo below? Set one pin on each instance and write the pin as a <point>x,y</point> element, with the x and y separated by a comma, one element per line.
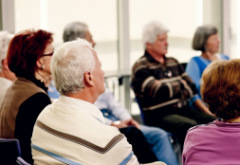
<point>43,67</point>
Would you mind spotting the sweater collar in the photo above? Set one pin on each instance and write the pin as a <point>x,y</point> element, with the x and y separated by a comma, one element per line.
<point>220,123</point>
<point>150,58</point>
<point>77,104</point>
<point>35,81</point>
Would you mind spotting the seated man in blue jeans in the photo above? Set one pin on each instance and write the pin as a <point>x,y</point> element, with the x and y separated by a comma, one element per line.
<point>116,115</point>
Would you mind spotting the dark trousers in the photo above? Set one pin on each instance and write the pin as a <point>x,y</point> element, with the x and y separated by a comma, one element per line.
<point>177,120</point>
<point>141,147</point>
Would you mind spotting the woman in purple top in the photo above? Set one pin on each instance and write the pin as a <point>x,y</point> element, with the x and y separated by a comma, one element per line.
<point>217,142</point>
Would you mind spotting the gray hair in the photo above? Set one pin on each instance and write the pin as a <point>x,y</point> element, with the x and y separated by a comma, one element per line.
<point>201,35</point>
<point>69,63</point>
<point>152,30</point>
<point>74,30</point>
<point>5,38</point>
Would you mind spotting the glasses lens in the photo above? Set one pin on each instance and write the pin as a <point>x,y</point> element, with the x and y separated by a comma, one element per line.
<point>49,54</point>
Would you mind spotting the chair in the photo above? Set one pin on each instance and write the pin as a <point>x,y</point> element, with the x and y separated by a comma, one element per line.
<point>21,161</point>
<point>10,152</point>
<point>172,137</point>
<point>184,64</point>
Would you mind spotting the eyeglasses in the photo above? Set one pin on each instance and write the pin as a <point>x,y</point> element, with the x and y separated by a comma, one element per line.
<point>49,54</point>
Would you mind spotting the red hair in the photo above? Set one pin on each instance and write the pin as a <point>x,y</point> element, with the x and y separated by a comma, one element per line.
<point>25,49</point>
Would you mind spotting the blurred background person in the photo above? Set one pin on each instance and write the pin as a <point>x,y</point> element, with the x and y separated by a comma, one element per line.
<point>207,41</point>
<point>29,58</point>
<point>217,142</point>
<point>166,94</point>
<point>6,76</point>
<point>75,30</point>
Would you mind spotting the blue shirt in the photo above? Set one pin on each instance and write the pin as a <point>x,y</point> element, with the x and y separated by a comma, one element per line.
<point>196,66</point>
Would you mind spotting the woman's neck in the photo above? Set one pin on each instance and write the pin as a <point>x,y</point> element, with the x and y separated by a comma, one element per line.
<point>44,77</point>
<point>235,120</point>
<point>209,56</point>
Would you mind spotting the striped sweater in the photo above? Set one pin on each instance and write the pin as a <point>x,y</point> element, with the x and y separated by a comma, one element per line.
<point>72,131</point>
<point>159,85</point>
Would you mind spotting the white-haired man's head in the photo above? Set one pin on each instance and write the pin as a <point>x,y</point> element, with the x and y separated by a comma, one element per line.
<point>69,64</point>
<point>152,30</point>
<point>75,30</point>
<point>5,38</point>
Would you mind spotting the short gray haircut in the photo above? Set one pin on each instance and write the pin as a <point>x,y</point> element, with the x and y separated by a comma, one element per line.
<point>74,30</point>
<point>201,35</point>
<point>152,30</point>
<point>5,38</point>
<point>69,63</point>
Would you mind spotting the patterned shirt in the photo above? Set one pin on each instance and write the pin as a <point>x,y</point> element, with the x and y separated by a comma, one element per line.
<point>158,85</point>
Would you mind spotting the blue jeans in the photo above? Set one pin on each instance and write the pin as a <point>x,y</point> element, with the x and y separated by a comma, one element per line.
<point>160,144</point>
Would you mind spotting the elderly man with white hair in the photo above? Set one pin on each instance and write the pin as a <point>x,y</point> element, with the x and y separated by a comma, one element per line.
<point>6,76</point>
<point>72,130</point>
<point>148,143</point>
<point>163,90</point>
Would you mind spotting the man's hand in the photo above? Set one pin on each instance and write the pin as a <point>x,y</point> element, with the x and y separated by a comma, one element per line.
<point>119,124</point>
<point>134,123</point>
<point>126,123</point>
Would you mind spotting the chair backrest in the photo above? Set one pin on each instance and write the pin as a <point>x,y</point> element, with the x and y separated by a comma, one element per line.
<point>9,151</point>
<point>21,161</point>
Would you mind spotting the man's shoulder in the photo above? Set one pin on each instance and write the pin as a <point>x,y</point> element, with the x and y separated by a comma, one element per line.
<point>79,120</point>
<point>85,136</point>
<point>171,60</point>
<point>142,60</point>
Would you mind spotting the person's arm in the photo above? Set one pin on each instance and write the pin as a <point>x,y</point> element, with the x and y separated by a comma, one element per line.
<point>25,120</point>
<point>145,83</point>
<point>119,111</point>
<point>194,72</point>
<point>115,107</point>
<point>201,106</point>
<point>126,123</point>
<point>195,101</point>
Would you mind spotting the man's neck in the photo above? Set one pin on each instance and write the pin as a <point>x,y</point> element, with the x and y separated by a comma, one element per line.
<point>85,95</point>
<point>158,57</point>
<point>44,77</point>
<point>235,120</point>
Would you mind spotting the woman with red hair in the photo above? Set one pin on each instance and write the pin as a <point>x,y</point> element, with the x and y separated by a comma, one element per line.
<point>28,56</point>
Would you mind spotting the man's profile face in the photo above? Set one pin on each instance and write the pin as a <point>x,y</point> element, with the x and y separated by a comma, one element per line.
<point>98,74</point>
<point>160,46</point>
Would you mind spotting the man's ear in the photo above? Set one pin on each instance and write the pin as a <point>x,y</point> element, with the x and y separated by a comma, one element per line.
<point>148,45</point>
<point>88,77</point>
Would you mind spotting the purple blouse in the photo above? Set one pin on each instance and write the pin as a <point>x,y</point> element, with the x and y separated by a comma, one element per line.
<point>214,143</point>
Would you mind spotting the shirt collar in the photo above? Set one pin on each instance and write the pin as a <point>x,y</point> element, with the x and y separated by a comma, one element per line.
<point>150,58</point>
<point>5,80</point>
<point>81,105</point>
<point>220,123</point>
